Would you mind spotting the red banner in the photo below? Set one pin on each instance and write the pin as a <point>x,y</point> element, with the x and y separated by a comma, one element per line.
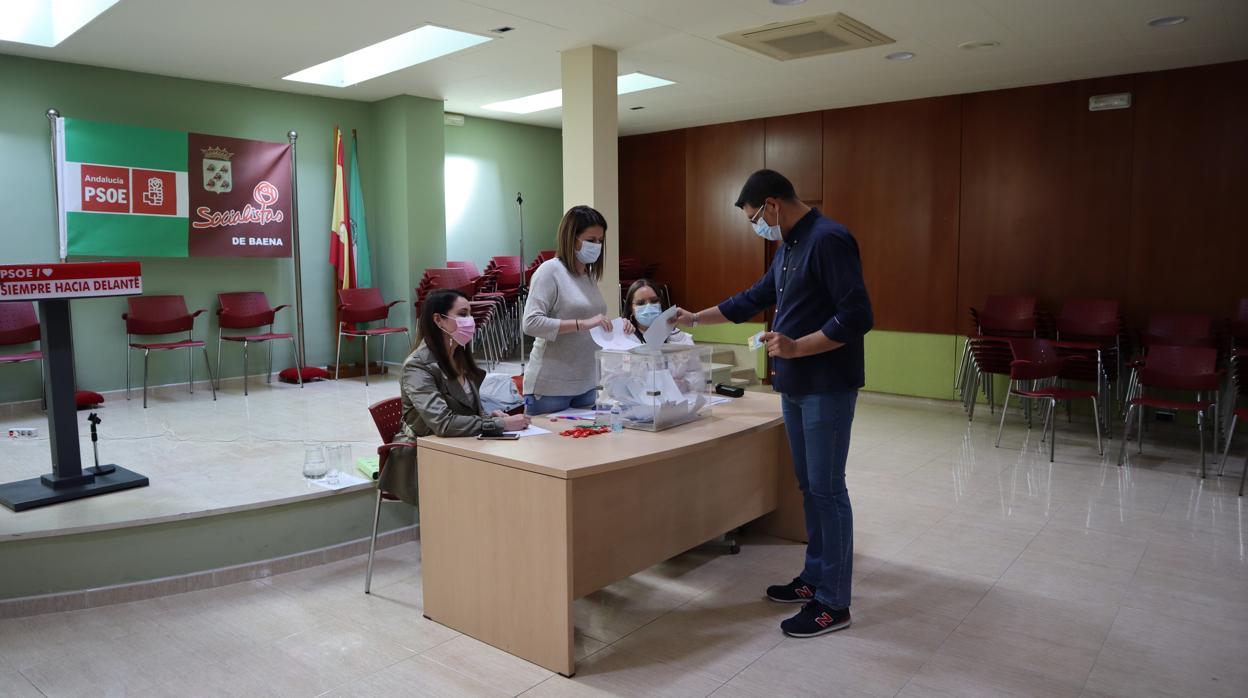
<point>240,197</point>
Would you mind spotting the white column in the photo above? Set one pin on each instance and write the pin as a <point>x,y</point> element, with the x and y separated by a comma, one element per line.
<point>590,157</point>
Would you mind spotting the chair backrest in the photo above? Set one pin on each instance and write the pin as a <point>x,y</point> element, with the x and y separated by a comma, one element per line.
<point>1042,359</point>
<point>157,315</point>
<point>362,305</point>
<point>1180,368</point>
<point>469,267</point>
<point>1242,315</point>
<point>1179,329</point>
<point>1008,314</point>
<point>242,309</point>
<point>388,416</point>
<point>507,262</point>
<point>1086,317</point>
<point>18,322</point>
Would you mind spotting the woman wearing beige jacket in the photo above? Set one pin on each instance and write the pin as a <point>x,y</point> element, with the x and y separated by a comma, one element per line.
<point>441,389</point>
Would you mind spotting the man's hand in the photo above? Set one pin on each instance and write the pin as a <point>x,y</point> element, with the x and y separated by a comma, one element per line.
<point>779,346</point>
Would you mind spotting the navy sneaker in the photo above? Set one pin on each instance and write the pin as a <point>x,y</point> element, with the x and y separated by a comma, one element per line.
<point>815,618</point>
<point>795,591</point>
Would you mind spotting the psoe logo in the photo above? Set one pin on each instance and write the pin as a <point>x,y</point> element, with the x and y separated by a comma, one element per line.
<point>105,189</point>
<point>154,192</point>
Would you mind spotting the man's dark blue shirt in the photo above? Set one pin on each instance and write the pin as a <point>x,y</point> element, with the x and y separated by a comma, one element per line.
<point>815,283</point>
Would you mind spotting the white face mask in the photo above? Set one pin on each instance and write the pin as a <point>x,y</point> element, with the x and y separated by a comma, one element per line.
<point>589,252</point>
<point>763,229</point>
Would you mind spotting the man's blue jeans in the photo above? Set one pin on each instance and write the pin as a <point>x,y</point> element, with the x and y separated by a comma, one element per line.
<point>818,426</point>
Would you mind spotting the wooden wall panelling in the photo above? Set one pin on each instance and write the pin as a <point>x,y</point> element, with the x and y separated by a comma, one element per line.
<point>794,148</point>
<point>652,205</point>
<point>723,255</point>
<point>1045,194</point>
<point>890,173</point>
<point>1189,218</point>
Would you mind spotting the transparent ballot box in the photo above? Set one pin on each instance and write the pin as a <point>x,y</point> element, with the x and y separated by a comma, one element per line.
<point>656,388</point>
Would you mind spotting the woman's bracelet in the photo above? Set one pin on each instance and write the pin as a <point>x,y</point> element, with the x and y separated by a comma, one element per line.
<point>578,325</point>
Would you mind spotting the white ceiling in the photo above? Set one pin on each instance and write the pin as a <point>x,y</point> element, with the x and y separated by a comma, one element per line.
<point>255,42</point>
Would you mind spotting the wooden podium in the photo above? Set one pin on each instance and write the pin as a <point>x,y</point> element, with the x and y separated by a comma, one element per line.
<point>52,286</point>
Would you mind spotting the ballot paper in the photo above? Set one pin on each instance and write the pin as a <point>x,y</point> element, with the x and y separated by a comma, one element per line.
<point>755,341</point>
<point>661,328</point>
<point>530,431</point>
<point>616,340</point>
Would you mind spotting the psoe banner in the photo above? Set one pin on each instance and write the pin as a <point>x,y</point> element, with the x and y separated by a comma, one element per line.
<point>128,191</point>
<point>37,282</point>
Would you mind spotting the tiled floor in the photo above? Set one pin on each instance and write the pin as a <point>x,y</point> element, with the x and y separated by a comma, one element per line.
<point>978,571</point>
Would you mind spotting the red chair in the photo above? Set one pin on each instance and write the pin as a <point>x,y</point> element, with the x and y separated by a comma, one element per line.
<point>1174,368</point>
<point>157,315</point>
<point>245,310</point>
<point>1037,361</point>
<point>1002,316</point>
<point>1088,332</point>
<point>388,416</point>
<point>1175,330</point>
<point>363,305</point>
<point>20,325</point>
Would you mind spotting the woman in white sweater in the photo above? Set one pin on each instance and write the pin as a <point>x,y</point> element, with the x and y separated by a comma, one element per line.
<point>564,304</point>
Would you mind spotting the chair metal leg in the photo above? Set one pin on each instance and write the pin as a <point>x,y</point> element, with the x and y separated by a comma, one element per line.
<point>383,353</point>
<point>1005,407</point>
<point>244,368</point>
<point>190,369</point>
<point>212,383</point>
<point>294,347</point>
<point>338,353</point>
<point>146,354</point>
<point>1053,433</point>
<point>1200,426</point>
<point>1048,414</point>
<point>1230,434</point>
<point>973,398</point>
<point>365,360</point>
<point>372,544</point>
<point>127,367</point>
<point>218,355</point>
<point>1096,419</point>
<point>1126,433</point>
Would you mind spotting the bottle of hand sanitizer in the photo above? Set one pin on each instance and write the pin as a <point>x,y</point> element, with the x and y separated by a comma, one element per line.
<point>617,419</point>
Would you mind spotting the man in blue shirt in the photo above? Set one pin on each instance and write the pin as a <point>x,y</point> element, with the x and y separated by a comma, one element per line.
<point>821,314</point>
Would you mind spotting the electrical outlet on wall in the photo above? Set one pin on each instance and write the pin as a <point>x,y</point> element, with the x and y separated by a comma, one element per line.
<point>24,432</point>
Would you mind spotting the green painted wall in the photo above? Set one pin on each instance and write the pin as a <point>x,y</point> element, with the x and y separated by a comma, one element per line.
<point>124,555</point>
<point>405,212</point>
<point>487,162</point>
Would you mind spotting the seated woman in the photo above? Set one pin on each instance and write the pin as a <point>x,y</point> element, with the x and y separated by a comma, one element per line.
<point>441,389</point>
<point>643,305</point>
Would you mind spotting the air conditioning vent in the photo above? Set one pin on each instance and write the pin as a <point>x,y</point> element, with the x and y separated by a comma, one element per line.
<point>815,36</point>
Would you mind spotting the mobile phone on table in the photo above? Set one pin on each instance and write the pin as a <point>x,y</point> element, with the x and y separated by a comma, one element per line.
<point>498,437</point>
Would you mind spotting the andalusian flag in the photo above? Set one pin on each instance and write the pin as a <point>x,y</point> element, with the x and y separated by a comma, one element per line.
<point>130,191</point>
<point>340,247</point>
<point>359,231</point>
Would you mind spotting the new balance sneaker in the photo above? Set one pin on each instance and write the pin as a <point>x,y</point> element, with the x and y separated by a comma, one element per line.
<point>795,591</point>
<point>815,619</point>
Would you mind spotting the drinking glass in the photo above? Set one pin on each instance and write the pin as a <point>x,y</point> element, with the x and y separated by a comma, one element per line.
<point>314,466</point>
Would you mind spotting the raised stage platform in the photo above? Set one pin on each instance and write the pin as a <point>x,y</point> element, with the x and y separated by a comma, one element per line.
<point>226,486</point>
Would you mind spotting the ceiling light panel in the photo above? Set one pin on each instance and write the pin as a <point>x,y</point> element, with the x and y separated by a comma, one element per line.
<point>47,22</point>
<point>553,99</point>
<point>396,53</point>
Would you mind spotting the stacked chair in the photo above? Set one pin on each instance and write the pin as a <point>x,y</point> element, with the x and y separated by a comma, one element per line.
<point>987,352</point>
<point>496,316</point>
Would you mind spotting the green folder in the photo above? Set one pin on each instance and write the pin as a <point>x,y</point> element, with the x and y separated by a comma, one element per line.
<point>369,466</point>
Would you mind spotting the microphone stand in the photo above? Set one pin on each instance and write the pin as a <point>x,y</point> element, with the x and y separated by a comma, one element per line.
<point>521,292</point>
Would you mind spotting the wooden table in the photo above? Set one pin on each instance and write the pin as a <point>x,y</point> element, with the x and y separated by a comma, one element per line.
<point>513,531</point>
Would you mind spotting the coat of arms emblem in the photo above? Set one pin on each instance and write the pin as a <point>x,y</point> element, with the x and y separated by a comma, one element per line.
<point>218,171</point>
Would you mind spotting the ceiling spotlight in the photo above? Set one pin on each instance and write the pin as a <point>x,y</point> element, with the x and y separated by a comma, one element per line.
<point>900,56</point>
<point>1171,21</point>
<point>975,45</point>
<point>502,30</point>
<point>635,108</point>
<point>786,3</point>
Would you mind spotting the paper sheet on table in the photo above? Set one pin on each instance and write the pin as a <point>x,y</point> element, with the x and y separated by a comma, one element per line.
<point>719,399</point>
<point>660,329</point>
<point>530,431</point>
<point>616,340</point>
<point>344,480</point>
<point>573,412</point>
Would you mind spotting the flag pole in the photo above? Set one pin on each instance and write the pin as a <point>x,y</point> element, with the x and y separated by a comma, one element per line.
<point>294,234</point>
<point>53,115</point>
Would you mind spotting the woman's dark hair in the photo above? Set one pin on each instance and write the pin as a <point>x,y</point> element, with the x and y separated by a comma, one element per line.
<point>575,222</point>
<point>439,303</point>
<point>632,291</point>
